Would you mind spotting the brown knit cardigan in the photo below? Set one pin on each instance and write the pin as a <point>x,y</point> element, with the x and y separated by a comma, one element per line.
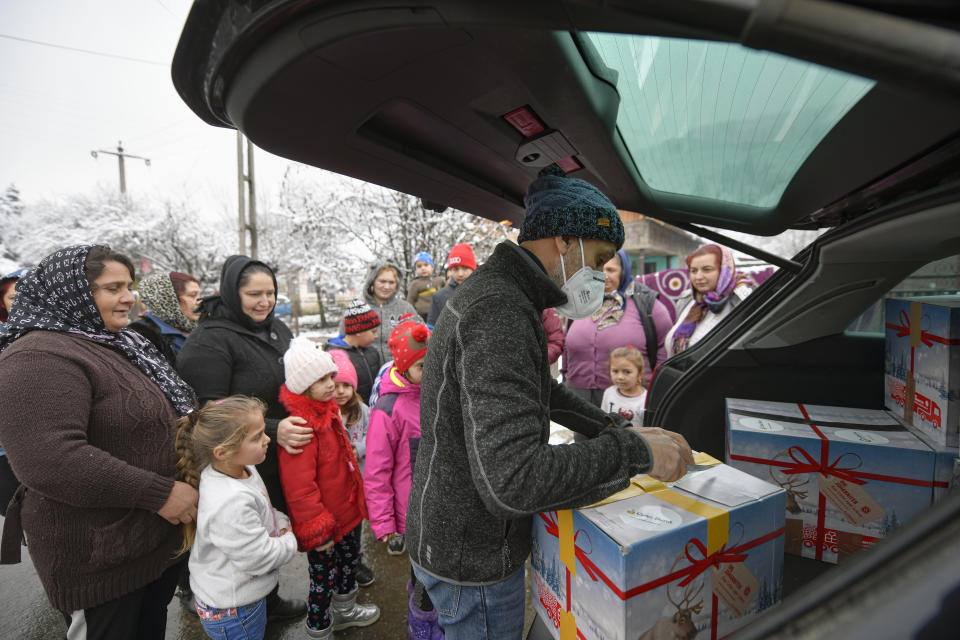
<point>92,439</point>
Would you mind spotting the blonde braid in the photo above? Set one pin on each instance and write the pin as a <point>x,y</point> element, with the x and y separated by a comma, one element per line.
<point>187,470</point>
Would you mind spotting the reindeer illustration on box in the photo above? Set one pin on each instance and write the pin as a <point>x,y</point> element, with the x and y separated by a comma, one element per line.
<point>791,484</point>
<point>680,625</point>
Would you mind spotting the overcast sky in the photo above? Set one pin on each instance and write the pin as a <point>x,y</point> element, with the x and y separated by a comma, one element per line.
<point>57,104</point>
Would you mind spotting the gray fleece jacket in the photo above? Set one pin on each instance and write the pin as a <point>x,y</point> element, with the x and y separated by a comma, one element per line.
<point>484,467</point>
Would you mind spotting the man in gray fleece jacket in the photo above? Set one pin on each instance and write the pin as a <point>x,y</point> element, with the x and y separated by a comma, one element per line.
<point>484,467</point>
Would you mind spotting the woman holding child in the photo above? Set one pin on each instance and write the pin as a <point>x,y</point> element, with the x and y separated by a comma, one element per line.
<point>237,348</point>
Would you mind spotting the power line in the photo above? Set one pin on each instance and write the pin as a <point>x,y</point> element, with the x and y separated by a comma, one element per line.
<point>87,51</point>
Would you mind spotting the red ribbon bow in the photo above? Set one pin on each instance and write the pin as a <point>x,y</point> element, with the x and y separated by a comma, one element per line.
<point>813,466</point>
<point>715,559</point>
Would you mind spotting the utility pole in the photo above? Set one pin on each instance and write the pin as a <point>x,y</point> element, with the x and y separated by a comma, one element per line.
<point>246,199</point>
<point>120,157</point>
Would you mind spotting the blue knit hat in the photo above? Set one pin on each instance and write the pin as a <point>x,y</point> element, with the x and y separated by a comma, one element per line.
<point>561,206</point>
<point>423,256</point>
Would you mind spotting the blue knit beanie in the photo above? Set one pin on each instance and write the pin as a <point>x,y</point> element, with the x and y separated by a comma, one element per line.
<point>423,256</point>
<point>561,206</point>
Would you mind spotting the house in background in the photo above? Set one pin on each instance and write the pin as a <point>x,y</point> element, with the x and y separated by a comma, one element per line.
<point>653,245</point>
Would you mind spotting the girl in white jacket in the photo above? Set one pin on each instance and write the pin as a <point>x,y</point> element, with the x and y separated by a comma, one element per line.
<point>240,541</point>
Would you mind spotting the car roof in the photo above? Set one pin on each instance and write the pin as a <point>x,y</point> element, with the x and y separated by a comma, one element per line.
<point>749,118</point>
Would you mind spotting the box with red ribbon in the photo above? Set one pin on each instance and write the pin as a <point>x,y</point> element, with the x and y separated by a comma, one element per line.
<point>922,365</point>
<point>700,556</point>
<point>852,476</point>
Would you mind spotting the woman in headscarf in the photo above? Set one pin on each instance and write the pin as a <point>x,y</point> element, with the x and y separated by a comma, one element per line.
<point>629,315</point>
<point>171,301</point>
<point>715,289</point>
<point>88,418</point>
<point>237,348</point>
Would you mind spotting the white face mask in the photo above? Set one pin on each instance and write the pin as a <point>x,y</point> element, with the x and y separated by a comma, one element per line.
<point>584,290</point>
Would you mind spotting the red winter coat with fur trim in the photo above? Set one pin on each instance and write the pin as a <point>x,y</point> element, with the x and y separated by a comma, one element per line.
<point>322,485</point>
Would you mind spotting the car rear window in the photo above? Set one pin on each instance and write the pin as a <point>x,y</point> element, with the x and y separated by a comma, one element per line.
<point>719,120</point>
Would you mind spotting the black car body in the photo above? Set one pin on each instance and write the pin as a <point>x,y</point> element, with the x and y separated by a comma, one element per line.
<point>424,97</point>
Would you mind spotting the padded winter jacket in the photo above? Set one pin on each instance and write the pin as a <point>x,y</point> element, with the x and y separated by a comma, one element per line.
<point>222,358</point>
<point>484,466</point>
<point>392,440</point>
<point>322,484</point>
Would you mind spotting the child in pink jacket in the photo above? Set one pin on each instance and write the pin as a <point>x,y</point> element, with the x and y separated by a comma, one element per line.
<point>392,440</point>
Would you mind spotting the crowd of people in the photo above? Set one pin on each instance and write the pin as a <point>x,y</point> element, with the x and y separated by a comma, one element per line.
<point>202,446</point>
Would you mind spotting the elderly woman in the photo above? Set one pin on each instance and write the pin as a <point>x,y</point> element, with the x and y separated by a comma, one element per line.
<point>88,418</point>
<point>380,292</point>
<point>715,289</point>
<point>629,315</point>
<point>237,348</point>
<point>171,302</point>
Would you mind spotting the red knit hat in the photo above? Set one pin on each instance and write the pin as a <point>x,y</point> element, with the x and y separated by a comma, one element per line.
<point>462,256</point>
<point>408,342</point>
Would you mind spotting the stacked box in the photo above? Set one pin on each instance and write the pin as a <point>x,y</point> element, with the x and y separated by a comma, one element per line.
<point>922,365</point>
<point>852,476</point>
<point>703,555</point>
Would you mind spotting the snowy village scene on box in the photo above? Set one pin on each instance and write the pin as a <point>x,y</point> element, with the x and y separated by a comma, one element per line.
<point>851,478</point>
<point>926,356</point>
<point>643,564</point>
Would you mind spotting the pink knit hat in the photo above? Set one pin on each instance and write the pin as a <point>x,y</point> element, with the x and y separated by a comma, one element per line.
<point>345,369</point>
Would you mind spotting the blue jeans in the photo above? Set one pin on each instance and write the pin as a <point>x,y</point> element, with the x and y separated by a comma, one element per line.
<point>249,623</point>
<point>485,612</point>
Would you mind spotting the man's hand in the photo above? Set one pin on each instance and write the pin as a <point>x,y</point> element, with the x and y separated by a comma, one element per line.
<point>292,437</point>
<point>181,504</point>
<point>670,451</point>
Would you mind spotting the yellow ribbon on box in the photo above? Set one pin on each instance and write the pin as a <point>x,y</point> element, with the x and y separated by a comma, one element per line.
<point>718,525</point>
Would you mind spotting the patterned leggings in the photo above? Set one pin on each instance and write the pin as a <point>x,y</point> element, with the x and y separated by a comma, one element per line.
<point>334,569</point>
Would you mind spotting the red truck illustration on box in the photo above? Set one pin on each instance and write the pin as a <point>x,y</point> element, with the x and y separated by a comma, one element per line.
<point>923,407</point>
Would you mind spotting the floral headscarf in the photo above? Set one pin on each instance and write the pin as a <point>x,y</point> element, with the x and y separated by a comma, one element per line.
<point>715,301</point>
<point>160,299</point>
<point>55,296</point>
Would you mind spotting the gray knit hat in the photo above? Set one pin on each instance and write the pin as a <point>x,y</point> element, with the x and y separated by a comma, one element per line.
<point>561,206</point>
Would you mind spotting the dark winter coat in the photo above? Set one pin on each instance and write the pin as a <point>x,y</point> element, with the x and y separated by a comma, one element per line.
<point>440,299</point>
<point>365,361</point>
<point>227,355</point>
<point>165,338</point>
<point>323,485</point>
<point>484,466</point>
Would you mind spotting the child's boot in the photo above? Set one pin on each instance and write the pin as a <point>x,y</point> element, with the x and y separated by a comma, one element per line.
<point>321,634</point>
<point>347,613</point>
<point>422,625</point>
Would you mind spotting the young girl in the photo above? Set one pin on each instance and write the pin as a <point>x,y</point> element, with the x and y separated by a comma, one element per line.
<point>392,442</point>
<point>324,492</point>
<point>626,395</point>
<point>356,417</point>
<point>240,541</point>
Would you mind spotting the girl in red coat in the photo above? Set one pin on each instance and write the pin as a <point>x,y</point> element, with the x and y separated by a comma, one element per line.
<point>324,492</point>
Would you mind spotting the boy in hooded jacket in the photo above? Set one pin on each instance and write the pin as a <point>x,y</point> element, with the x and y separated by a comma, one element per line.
<point>421,289</point>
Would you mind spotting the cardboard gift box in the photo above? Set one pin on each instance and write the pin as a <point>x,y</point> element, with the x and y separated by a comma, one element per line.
<point>702,555</point>
<point>922,365</point>
<point>852,476</point>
